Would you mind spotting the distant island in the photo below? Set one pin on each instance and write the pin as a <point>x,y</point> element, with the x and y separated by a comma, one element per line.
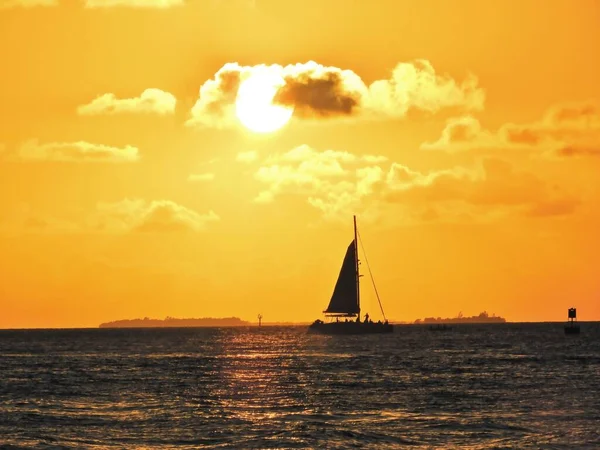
<point>172,322</point>
<point>483,317</point>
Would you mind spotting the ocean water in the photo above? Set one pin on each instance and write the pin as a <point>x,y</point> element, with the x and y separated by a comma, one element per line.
<point>476,386</point>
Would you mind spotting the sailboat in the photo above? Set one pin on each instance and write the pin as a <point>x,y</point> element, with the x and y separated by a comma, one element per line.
<point>345,300</point>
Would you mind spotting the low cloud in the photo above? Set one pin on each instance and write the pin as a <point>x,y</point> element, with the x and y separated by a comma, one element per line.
<point>494,183</point>
<point>247,157</point>
<point>125,216</point>
<point>566,125</point>
<point>156,4</point>
<point>136,215</point>
<point>554,207</point>
<point>73,152</point>
<point>573,116</point>
<point>148,4</point>
<point>572,151</point>
<point>317,91</point>
<point>150,101</point>
<point>201,177</point>
<point>26,221</point>
<point>462,133</point>
<point>563,131</point>
<point>340,183</point>
<point>332,181</point>
<point>18,219</point>
<point>6,4</point>
<point>234,3</point>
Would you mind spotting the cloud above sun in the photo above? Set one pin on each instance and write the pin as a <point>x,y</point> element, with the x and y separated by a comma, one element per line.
<point>312,90</point>
<point>263,98</point>
<point>153,101</point>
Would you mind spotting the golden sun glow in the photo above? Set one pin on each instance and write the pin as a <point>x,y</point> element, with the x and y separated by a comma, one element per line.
<point>254,103</point>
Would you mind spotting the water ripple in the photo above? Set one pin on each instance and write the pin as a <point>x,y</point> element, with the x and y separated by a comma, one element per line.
<point>477,387</point>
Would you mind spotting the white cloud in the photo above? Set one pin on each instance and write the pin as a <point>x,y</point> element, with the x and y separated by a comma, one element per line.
<point>234,3</point>
<point>143,216</point>
<point>125,216</point>
<point>563,131</point>
<point>5,4</point>
<point>301,168</point>
<point>150,101</point>
<point>155,4</point>
<point>332,181</point>
<point>463,133</point>
<point>340,184</point>
<point>79,151</point>
<point>22,219</point>
<point>417,85</point>
<point>201,177</point>
<point>247,157</point>
<point>158,4</point>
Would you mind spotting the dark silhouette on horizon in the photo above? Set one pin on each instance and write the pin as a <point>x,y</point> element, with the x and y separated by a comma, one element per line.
<point>172,322</point>
<point>483,317</point>
<point>572,327</point>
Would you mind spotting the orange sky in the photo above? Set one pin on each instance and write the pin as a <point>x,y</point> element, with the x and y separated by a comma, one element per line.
<point>465,135</point>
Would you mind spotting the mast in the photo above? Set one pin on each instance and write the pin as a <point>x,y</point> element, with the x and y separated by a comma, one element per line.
<point>357,270</point>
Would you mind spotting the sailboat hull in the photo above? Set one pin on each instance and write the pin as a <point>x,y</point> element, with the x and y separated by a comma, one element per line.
<point>350,327</point>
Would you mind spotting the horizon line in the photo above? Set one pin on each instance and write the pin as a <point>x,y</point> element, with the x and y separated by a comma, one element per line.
<point>255,325</point>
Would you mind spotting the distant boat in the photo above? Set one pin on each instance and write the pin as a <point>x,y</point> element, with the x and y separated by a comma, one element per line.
<point>345,301</point>
<point>572,327</point>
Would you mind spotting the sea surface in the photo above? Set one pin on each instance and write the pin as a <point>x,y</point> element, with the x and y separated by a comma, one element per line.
<point>476,387</point>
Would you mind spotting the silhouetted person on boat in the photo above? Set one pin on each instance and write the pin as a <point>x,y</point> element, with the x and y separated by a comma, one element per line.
<point>367,318</point>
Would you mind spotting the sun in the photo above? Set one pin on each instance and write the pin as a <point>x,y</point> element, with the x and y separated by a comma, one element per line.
<point>254,103</point>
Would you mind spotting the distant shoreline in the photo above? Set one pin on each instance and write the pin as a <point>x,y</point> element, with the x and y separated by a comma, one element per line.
<point>172,322</point>
<point>290,324</point>
<point>207,322</point>
<point>483,317</point>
